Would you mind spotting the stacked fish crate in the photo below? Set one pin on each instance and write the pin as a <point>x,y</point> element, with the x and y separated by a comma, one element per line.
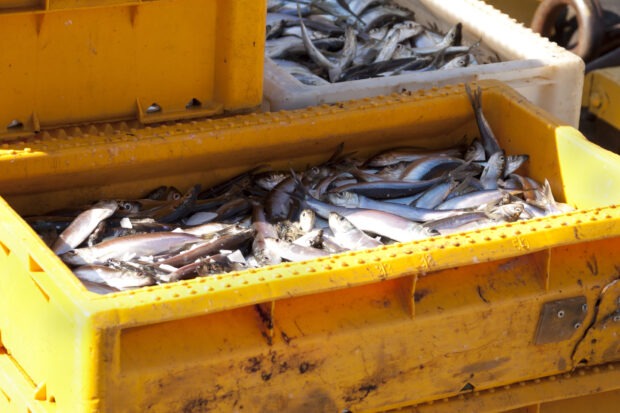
<point>495,47</point>
<point>361,255</point>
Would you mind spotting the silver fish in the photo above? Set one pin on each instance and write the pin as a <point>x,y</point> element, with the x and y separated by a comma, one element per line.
<point>83,225</point>
<point>138,245</point>
<point>348,235</point>
<point>334,69</point>
<point>378,222</point>
<point>351,200</point>
<point>291,252</point>
<point>493,171</point>
<point>435,195</point>
<point>389,47</point>
<point>119,279</point>
<point>472,199</point>
<point>475,152</point>
<point>489,141</point>
<point>410,154</point>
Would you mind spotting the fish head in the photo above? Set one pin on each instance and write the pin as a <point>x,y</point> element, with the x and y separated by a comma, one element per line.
<point>173,194</point>
<point>307,218</point>
<point>345,199</point>
<point>73,258</point>
<point>393,170</point>
<point>129,207</point>
<point>454,35</point>
<point>430,232</point>
<point>338,223</point>
<point>269,180</point>
<point>498,159</point>
<point>512,211</point>
<point>313,172</point>
<point>514,162</point>
<point>460,61</point>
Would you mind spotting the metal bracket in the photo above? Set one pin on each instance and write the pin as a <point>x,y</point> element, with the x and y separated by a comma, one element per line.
<point>559,320</point>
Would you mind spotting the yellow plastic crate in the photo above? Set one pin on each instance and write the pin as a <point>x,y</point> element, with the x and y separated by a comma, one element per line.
<point>69,62</point>
<point>364,331</point>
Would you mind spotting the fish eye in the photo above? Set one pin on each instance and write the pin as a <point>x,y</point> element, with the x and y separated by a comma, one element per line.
<point>176,196</point>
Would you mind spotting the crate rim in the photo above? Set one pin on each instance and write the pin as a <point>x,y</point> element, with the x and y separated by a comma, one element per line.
<point>213,294</point>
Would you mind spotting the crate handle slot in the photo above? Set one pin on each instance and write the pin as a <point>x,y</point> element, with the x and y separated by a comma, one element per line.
<point>194,103</point>
<point>15,124</point>
<point>154,108</point>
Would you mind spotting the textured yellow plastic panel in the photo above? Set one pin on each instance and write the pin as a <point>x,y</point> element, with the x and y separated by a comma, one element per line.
<point>365,331</point>
<point>68,62</point>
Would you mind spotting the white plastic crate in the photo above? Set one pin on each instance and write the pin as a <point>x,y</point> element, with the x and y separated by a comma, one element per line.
<point>545,73</point>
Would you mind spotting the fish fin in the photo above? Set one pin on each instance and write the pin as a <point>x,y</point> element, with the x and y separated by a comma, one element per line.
<point>473,96</point>
<point>336,154</point>
<point>548,195</point>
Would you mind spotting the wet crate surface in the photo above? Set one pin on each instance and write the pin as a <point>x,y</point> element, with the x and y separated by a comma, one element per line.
<point>537,68</point>
<point>365,331</point>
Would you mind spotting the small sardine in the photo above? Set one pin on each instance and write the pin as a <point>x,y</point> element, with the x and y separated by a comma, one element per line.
<point>137,245</point>
<point>387,189</point>
<point>83,225</point>
<point>348,235</point>
<point>493,171</point>
<point>489,141</point>
<point>119,279</point>
<point>291,252</point>
<point>394,156</point>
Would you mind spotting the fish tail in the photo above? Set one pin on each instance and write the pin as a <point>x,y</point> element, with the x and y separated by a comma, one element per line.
<point>472,97</point>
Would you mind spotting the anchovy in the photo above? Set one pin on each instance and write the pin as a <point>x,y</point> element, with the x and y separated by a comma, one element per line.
<point>430,166</point>
<point>451,38</point>
<point>301,73</point>
<point>475,152</point>
<point>508,212</point>
<point>387,189</point>
<point>453,223</point>
<point>334,69</point>
<point>382,15</point>
<point>457,62</point>
<point>378,222</point>
<point>292,252</point>
<point>397,155</point>
<point>83,225</point>
<point>138,245</point>
<point>472,199</point>
<point>118,279</point>
<point>489,141</point>
<point>227,242</point>
<point>389,47</point>
<point>514,162</point>
<point>348,235</point>
<point>351,200</point>
<point>493,171</point>
<point>435,195</point>
<point>278,202</point>
<point>264,230</point>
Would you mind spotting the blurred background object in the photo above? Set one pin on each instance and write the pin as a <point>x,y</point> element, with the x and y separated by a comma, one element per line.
<point>591,30</point>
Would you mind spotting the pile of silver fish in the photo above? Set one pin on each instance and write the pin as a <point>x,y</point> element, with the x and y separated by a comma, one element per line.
<point>323,41</point>
<point>264,217</point>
